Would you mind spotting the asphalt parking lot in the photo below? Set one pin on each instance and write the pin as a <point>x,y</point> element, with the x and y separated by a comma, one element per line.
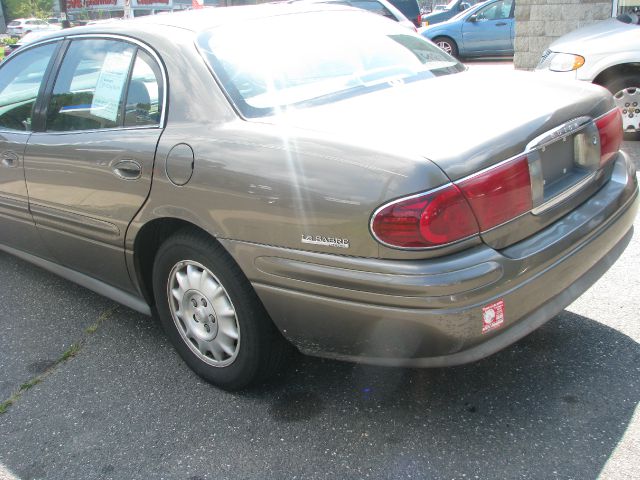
<point>92,390</point>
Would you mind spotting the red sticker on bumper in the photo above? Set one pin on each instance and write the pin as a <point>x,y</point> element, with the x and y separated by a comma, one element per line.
<point>492,316</point>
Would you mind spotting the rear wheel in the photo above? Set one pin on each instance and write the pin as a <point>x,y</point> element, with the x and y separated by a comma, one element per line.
<point>626,92</point>
<point>211,313</point>
<point>447,44</point>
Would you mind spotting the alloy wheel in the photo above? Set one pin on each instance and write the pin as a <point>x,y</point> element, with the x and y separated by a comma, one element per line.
<point>628,101</point>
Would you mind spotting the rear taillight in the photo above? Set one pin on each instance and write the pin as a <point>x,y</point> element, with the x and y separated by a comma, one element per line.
<point>457,210</point>
<point>611,134</point>
<point>429,220</point>
<point>419,19</point>
<point>499,194</point>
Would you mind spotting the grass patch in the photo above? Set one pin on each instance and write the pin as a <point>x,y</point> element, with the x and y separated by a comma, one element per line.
<point>70,352</point>
<point>92,328</point>
<point>106,315</point>
<point>31,383</point>
<point>4,406</point>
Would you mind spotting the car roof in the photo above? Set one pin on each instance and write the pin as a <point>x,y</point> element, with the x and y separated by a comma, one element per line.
<point>202,19</point>
<point>199,19</point>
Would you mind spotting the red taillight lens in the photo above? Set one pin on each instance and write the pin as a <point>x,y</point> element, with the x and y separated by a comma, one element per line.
<point>610,128</point>
<point>429,220</point>
<point>419,19</point>
<point>499,194</point>
<point>456,211</point>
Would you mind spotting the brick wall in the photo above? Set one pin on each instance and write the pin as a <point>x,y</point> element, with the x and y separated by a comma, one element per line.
<point>540,22</point>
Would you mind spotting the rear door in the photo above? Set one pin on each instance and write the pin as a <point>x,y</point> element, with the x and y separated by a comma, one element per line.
<point>491,32</point>
<point>89,168</point>
<point>21,78</point>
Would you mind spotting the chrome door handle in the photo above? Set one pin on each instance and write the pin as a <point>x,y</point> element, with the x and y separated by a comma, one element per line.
<point>127,169</point>
<point>9,159</point>
<point>500,24</point>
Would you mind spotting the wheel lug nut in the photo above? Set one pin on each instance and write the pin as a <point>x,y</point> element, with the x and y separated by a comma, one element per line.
<point>624,112</point>
<point>207,327</point>
<point>194,317</point>
<point>627,104</point>
<point>212,318</point>
<point>204,302</point>
<point>193,302</point>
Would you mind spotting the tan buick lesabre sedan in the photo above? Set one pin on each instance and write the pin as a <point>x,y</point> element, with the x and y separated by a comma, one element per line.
<point>308,176</point>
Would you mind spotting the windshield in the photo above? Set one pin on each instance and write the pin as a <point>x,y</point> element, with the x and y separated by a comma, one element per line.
<point>292,62</point>
<point>451,4</point>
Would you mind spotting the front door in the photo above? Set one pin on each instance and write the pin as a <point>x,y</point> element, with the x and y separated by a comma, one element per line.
<point>491,31</point>
<point>89,171</point>
<point>21,77</point>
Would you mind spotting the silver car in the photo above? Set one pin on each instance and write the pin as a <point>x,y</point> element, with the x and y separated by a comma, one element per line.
<point>606,53</point>
<point>258,193</point>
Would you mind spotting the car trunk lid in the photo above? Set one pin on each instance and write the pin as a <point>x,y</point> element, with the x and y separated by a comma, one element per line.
<point>469,123</point>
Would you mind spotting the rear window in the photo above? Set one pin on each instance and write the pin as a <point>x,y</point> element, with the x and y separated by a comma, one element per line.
<point>15,23</point>
<point>335,55</point>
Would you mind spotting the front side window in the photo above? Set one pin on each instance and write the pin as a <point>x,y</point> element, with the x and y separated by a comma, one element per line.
<point>90,86</point>
<point>20,80</point>
<point>263,71</point>
<point>496,11</point>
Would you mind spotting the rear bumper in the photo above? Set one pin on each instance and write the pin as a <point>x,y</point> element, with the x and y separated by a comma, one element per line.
<point>429,313</point>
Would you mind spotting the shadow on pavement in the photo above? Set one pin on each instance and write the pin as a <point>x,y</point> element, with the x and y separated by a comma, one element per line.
<point>554,405</point>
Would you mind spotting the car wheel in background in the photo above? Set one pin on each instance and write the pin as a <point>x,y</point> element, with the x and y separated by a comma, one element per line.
<point>212,315</point>
<point>626,92</point>
<point>447,44</point>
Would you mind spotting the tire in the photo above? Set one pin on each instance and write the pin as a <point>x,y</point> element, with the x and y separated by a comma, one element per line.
<point>626,91</point>
<point>447,44</point>
<point>212,315</point>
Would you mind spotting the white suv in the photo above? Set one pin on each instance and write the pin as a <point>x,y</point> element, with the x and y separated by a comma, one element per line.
<point>20,26</point>
<point>606,53</point>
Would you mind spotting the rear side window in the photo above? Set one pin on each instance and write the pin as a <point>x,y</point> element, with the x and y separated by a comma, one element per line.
<point>144,95</point>
<point>20,80</point>
<point>90,87</point>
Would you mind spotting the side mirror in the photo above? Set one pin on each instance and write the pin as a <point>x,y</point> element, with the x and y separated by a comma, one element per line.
<point>473,18</point>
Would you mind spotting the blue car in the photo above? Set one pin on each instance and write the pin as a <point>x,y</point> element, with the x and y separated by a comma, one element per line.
<point>486,29</point>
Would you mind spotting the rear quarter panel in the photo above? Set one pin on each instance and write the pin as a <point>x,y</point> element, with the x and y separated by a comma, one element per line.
<point>268,184</point>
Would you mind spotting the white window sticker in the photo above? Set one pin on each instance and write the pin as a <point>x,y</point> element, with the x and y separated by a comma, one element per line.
<point>113,76</point>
